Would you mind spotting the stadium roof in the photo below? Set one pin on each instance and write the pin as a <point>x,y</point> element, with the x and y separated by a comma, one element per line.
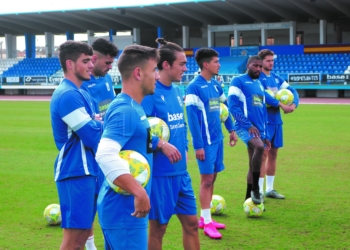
<point>171,15</point>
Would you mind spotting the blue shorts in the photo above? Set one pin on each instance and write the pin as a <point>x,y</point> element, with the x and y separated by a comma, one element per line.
<point>244,135</point>
<point>121,239</point>
<point>171,195</point>
<point>214,159</point>
<point>276,135</point>
<point>77,200</point>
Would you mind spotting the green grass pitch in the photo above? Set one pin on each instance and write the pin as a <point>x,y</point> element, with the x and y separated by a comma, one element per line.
<point>313,173</point>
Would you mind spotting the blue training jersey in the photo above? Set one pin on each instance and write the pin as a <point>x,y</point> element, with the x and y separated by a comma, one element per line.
<point>246,101</point>
<point>101,91</point>
<point>167,104</point>
<point>203,111</point>
<point>75,133</point>
<point>275,83</point>
<point>126,123</point>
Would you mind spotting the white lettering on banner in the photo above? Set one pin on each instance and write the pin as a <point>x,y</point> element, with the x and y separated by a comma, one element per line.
<point>175,117</point>
<point>12,79</point>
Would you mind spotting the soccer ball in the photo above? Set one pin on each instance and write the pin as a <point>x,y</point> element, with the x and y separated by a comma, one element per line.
<point>217,205</point>
<point>159,128</point>
<point>223,112</point>
<point>52,214</point>
<point>139,169</point>
<point>251,209</point>
<point>285,96</point>
<point>270,92</point>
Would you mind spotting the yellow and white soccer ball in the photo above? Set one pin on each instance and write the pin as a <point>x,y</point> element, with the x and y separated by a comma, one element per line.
<point>139,169</point>
<point>251,209</point>
<point>271,93</point>
<point>285,96</point>
<point>217,205</point>
<point>52,214</point>
<point>223,112</point>
<point>159,128</point>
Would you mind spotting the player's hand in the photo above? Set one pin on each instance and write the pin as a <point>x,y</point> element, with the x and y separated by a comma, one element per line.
<point>286,108</point>
<point>292,108</point>
<point>171,152</point>
<point>233,139</point>
<point>254,131</point>
<point>142,205</point>
<point>268,144</point>
<point>200,154</point>
<point>97,117</point>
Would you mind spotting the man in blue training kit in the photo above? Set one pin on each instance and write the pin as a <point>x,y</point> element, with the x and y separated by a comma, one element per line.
<point>100,88</point>
<point>275,83</point>
<point>203,97</point>
<point>76,134</point>
<point>172,191</point>
<point>124,218</point>
<point>246,99</point>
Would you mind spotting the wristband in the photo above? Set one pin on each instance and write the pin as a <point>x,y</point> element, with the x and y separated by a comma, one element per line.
<point>161,146</point>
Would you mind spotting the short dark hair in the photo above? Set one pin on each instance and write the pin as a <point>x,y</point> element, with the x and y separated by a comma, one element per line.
<point>254,58</point>
<point>167,52</point>
<point>265,52</point>
<point>72,50</point>
<point>134,56</point>
<point>105,47</point>
<point>205,55</point>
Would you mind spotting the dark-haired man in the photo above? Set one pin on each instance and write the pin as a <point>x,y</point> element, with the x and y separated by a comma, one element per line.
<point>274,83</point>
<point>100,87</point>
<point>203,97</point>
<point>76,136</point>
<point>124,218</point>
<point>172,191</point>
<point>246,99</point>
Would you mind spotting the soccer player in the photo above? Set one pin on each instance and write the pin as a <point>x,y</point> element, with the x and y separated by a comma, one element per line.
<point>246,99</point>
<point>124,218</point>
<point>100,88</point>
<point>172,191</point>
<point>275,83</point>
<point>203,97</point>
<point>76,136</point>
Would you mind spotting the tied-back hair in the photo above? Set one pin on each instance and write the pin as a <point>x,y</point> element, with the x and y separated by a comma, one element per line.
<point>72,50</point>
<point>167,52</point>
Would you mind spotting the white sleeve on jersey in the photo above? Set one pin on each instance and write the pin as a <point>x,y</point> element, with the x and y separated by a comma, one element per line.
<point>111,164</point>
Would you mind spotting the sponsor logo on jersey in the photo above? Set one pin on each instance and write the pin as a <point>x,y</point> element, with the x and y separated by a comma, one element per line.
<point>249,82</point>
<point>91,85</point>
<point>175,117</point>
<point>204,86</point>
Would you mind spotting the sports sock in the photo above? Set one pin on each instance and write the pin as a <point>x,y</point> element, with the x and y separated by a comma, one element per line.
<point>261,185</point>
<point>205,213</point>
<point>269,182</point>
<point>90,244</point>
<point>249,189</point>
<point>256,177</point>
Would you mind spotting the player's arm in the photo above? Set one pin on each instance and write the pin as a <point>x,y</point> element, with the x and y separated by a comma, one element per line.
<point>74,114</point>
<point>193,107</point>
<point>234,95</point>
<point>117,172</point>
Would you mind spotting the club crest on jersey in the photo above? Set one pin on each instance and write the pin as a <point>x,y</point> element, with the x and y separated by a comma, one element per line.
<point>162,97</point>
<point>107,86</point>
<point>277,81</point>
<point>216,88</point>
<point>179,99</point>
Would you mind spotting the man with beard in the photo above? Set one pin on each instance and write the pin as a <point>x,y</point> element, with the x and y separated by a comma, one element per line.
<point>76,136</point>
<point>246,99</point>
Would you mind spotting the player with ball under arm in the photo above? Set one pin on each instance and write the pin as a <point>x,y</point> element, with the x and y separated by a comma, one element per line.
<point>124,218</point>
<point>273,82</point>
